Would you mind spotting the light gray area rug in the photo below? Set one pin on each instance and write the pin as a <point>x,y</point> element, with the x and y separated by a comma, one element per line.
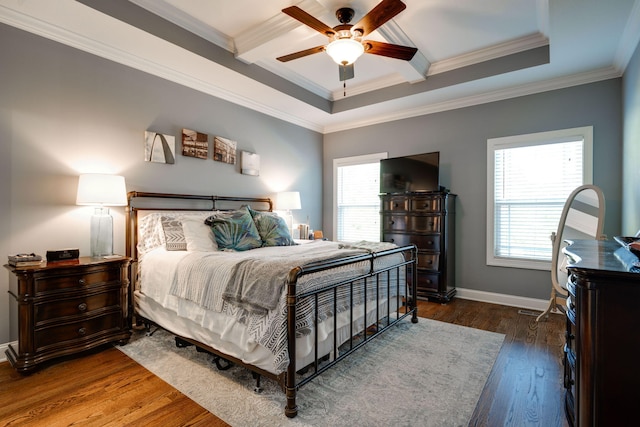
<point>425,374</point>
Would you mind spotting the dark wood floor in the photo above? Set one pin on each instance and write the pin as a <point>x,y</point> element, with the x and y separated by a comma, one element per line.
<point>107,388</point>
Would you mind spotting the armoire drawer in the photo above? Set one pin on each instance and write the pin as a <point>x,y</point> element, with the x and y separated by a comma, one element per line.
<point>395,204</point>
<point>428,261</point>
<point>428,281</point>
<point>423,242</point>
<point>425,204</point>
<point>416,223</point>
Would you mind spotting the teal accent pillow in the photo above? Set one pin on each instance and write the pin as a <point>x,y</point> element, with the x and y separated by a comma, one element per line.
<point>272,228</point>
<point>235,230</point>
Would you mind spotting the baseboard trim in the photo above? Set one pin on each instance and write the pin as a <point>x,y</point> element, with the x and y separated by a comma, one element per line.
<point>504,299</point>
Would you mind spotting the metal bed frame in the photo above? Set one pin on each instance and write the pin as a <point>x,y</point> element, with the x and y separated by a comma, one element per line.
<point>290,380</point>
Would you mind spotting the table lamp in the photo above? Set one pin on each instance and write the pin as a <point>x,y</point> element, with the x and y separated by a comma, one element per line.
<point>101,190</point>
<point>286,201</point>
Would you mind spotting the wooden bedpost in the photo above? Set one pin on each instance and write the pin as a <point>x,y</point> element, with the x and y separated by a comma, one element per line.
<point>291,409</point>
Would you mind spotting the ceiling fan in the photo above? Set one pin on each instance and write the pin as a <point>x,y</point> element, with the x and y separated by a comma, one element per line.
<point>346,42</point>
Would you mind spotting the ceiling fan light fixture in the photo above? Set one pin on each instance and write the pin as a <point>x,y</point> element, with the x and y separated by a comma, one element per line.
<point>345,51</point>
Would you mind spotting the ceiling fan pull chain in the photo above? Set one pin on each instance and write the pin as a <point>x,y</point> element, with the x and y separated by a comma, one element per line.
<point>344,87</point>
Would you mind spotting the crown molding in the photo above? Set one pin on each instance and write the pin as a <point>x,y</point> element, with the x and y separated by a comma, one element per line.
<point>499,50</point>
<point>186,21</point>
<point>484,98</point>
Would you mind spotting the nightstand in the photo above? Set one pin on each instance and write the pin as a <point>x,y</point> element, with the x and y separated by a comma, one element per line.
<point>68,307</point>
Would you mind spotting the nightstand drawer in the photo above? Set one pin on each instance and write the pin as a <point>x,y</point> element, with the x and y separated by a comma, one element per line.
<point>91,277</point>
<point>82,305</point>
<point>64,334</point>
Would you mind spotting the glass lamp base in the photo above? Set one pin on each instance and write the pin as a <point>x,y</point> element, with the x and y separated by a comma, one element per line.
<point>101,233</point>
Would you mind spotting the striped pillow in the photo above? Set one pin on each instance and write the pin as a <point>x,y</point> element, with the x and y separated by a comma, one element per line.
<point>173,234</point>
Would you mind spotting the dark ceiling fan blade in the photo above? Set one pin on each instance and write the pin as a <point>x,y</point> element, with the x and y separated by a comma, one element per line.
<point>384,11</point>
<point>301,54</point>
<point>296,13</point>
<point>390,50</point>
<point>346,72</point>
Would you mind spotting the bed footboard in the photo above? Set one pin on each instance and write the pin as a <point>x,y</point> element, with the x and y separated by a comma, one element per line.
<point>386,281</point>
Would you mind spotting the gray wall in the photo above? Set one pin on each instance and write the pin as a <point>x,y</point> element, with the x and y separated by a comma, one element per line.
<point>64,112</point>
<point>631,158</point>
<point>461,138</point>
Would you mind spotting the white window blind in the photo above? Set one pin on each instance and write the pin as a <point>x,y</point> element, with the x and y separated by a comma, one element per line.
<point>357,201</point>
<point>532,178</point>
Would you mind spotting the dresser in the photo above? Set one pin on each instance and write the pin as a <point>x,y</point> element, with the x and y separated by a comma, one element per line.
<point>424,219</point>
<point>67,307</point>
<point>601,372</point>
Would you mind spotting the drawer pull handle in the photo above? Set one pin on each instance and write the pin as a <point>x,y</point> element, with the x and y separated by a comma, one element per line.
<point>81,282</point>
<point>81,331</point>
<point>428,281</point>
<point>392,222</point>
<point>82,306</point>
<point>430,262</point>
<point>391,240</point>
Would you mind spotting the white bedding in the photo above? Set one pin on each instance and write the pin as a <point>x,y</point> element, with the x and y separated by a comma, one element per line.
<point>228,328</point>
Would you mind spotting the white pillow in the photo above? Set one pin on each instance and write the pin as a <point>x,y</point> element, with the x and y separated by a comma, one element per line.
<point>199,236</point>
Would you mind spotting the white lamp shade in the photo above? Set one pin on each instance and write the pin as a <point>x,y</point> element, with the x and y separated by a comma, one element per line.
<point>287,200</point>
<point>101,189</point>
<point>345,51</point>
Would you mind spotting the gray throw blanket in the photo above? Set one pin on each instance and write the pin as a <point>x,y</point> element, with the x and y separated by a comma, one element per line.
<point>256,283</point>
<point>370,247</point>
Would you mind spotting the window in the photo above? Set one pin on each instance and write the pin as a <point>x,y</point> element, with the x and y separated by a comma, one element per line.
<point>356,212</point>
<point>529,178</point>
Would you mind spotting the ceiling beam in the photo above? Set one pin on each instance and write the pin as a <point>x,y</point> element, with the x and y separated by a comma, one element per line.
<point>263,40</point>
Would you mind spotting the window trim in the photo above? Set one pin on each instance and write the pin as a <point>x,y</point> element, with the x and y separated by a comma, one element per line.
<point>539,138</point>
<point>349,161</point>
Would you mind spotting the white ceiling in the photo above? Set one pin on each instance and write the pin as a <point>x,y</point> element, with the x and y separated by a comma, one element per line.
<point>469,51</point>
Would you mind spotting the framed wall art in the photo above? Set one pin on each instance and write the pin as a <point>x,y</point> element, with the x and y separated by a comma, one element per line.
<point>159,148</point>
<point>250,163</point>
<point>224,150</point>
<point>195,144</point>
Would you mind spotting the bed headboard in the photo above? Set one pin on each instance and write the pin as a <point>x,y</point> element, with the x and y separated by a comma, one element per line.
<point>142,201</point>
